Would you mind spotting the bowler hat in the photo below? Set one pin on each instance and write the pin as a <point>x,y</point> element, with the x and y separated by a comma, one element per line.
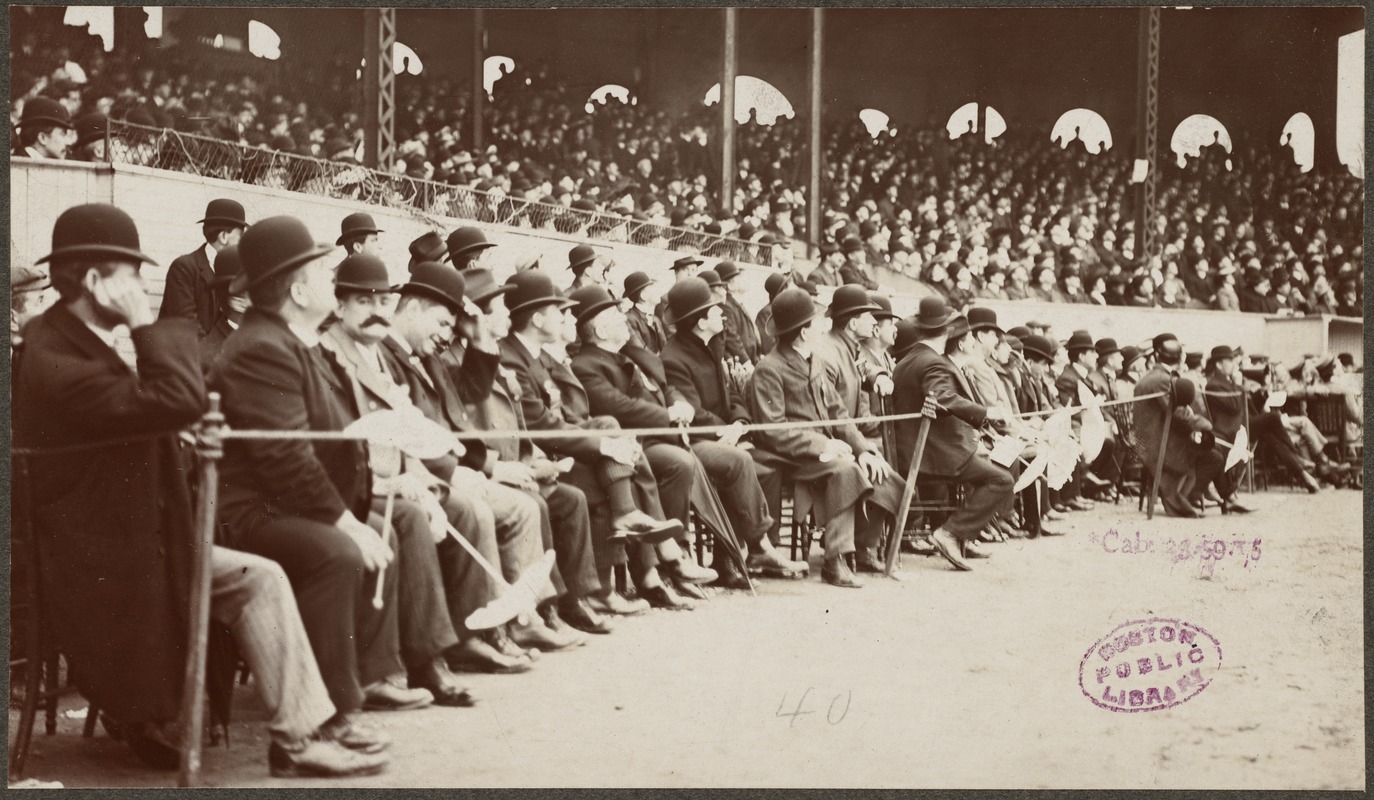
<point>957,327</point>
<point>1106,347</point>
<point>809,287</point>
<point>635,283</point>
<point>428,246</point>
<point>362,272</point>
<point>829,248</point>
<point>465,240</point>
<point>1078,342</point>
<point>90,128</point>
<point>686,261</point>
<point>581,257</point>
<point>688,298</point>
<point>884,306</point>
<point>590,300</point>
<point>221,210</point>
<point>97,229</point>
<point>27,279</point>
<point>1184,393</point>
<point>851,244</point>
<point>436,281</point>
<point>356,225</point>
<point>933,314</point>
<point>1129,355</point>
<point>1037,345</point>
<point>908,336</point>
<point>530,289</point>
<point>228,265</point>
<point>711,277</point>
<point>1221,352</point>
<point>774,283</point>
<point>727,270</point>
<point>850,300</point>
<point>1193,359</point>
<point>274,245</point>
<point>44,110</point>
<point>792,309</point>
<point>481,285</point>
<point>1020,331</point>
<point>982,318</point>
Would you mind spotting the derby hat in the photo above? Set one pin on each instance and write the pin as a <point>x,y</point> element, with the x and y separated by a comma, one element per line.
<point>1042,346</point>
<point>635,283</point>
<point>829,248</point>
<point>1020,332</point>
<point>727,270</point>
<point>428,246</point>
<point>792,309</point>
<point>1221,352</point>
<point>481,285</point>
<point>228,266</point>
<point>957,327</point>
<point>438,282</point>
<point>851,244</point>
<point>1106,347</point>
<point>686,261</point>
<point>355,226</point>
<point>712,278</point>
<point>983,318</point>
<point>465,240</point>
<point>580,258</point>
<point>362,272</point>
<point>1078,342</point>
<point>90,128</point>
<point>44,111</point>
<point>27,279</point>
<point>774,283</point>
<point>97,229</point>
<point>531,289</point>
<point>224,211</point>
<point>850,300</point>
<point>689,297</point>
<point>809,287</point>
<point>1129,355</point>
<point>274,245</point>
<point>591,300</point>
<point>908,336</point>
<point>884,306</point>
<point>933,314</point>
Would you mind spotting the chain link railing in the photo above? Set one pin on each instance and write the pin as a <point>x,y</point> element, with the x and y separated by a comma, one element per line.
<point>162,148</point>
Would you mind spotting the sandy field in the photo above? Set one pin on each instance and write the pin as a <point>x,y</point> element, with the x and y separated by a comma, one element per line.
<point>945,680</point>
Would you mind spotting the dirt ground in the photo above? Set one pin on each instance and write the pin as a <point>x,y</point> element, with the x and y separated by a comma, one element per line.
<point>946,680</point>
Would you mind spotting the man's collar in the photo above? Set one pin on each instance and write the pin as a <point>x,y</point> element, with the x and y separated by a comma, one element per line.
<point>310,336</point>
<point>1080,369</point>
<point>106,336</point>
<point>531,347</point>
<point>210,253</point>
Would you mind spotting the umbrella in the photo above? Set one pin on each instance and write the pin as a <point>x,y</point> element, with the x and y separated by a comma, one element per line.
<point>706,502</point>
<point>1240,449</point>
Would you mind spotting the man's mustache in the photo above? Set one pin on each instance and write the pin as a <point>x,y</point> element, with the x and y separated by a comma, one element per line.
<point>376,320</point>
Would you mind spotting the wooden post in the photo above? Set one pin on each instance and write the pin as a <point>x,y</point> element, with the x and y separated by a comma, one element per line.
<point>209,449</point>
<point>894,544</point>
<point>479,90</point>
<point>1159,461</point>
<point>727,116</point>
<point>813,197</point>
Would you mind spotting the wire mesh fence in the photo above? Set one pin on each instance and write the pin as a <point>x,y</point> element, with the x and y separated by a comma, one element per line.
<point>167,149</point>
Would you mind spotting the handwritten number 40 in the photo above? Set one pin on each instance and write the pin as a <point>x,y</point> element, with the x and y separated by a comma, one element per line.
<point>834,715</point>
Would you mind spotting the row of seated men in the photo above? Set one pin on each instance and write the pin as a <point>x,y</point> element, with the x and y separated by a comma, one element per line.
<point>337,571</point>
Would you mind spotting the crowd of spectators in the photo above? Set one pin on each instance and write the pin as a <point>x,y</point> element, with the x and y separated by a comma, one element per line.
<point>1020,218</point>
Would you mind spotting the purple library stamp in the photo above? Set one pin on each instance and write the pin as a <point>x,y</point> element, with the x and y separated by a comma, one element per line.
<point>1149,665</point>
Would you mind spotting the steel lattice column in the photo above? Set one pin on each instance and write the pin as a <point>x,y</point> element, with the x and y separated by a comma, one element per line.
<point>1147,135</point>
<point>379,103</point>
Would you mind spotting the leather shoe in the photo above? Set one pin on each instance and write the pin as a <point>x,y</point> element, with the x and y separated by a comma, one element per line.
<point>474,654</point>
<point>321,757</point>
<point>613,603</point>
<point>554,622</point>
<point>948,546</point>
<point>1079,504</point>
<point>688,589</point>
<point>1058,508</point>
<point>868,561</point>
<point>386,695</point>
<point>686,570</point>
<point>536,635</point>
<point>435,678</point>
<point>1055,515</point>
<point>662,596</point>
<point>730,576</point>
<point>1047,532</point>
<point>1094,481</point>
<point>640,527</point>
<point>836,572</point>
<point>579,614</point>
<point>350,731</point>
<point>1230,506</point>
<point>972,550</point>
<point>499,638</point>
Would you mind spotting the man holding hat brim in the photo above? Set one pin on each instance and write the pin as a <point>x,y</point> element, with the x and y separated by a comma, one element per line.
<point>120,552</point>
<point>788,385</point>
<point>646,329</point>
<point>952,445</point>
<point>228,266</point>
<point>504,523</point>
<point>189,291</point>
<point>609,468</point>
<point>45,129</point>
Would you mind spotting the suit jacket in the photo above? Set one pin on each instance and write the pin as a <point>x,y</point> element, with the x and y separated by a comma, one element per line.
<point>788,388</point>
<point>114,522</point>
<point>1227,412</point>
<point>1102,384</point>
<point>543,404</point>
<point>1147,420</point>
<point>189,291</point>
<point>763,323</point>
<point>826,276</point>
<point>646,330</point>
<point>271,380</point>
<point>696,371</point>
<point>849,372</point>
<point>741,338</point>
<point>953,438</point>
<point>432,390</point>
<point>1067,385</point>
<point>618,386</point>
<point>857,273</point>
<point>212,343</point>
<point>501,411</point>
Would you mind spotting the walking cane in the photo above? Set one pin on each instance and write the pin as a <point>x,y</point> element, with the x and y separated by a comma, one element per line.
<point>894,545</point>
<point>1159,462</point>
<point>386,540</point>
<point>533,578</point>
<point>1250,462</point>
<point>209,448</point>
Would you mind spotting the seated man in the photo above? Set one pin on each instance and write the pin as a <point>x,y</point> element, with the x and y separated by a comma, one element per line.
<point>952,444</point>
<point>116,519</point>
<point>1180,455</point>
<point>303,503</point>
<point>1226,405</point>
<point>836,459</point>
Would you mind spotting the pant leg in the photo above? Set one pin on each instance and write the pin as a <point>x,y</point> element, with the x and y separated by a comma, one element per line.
<point>770,482</point>
<point>572,537</point>
<point>606,552</point>
<point>987,487</point>
<point>546,542</point>
<point>326,572</point>
<point>518,536</point>
<point>421,606</point>
<point>673,469</point>
<point>732,472</point>
<point>467,585</point>
<point>252,596</point>
<point>379,629</point>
